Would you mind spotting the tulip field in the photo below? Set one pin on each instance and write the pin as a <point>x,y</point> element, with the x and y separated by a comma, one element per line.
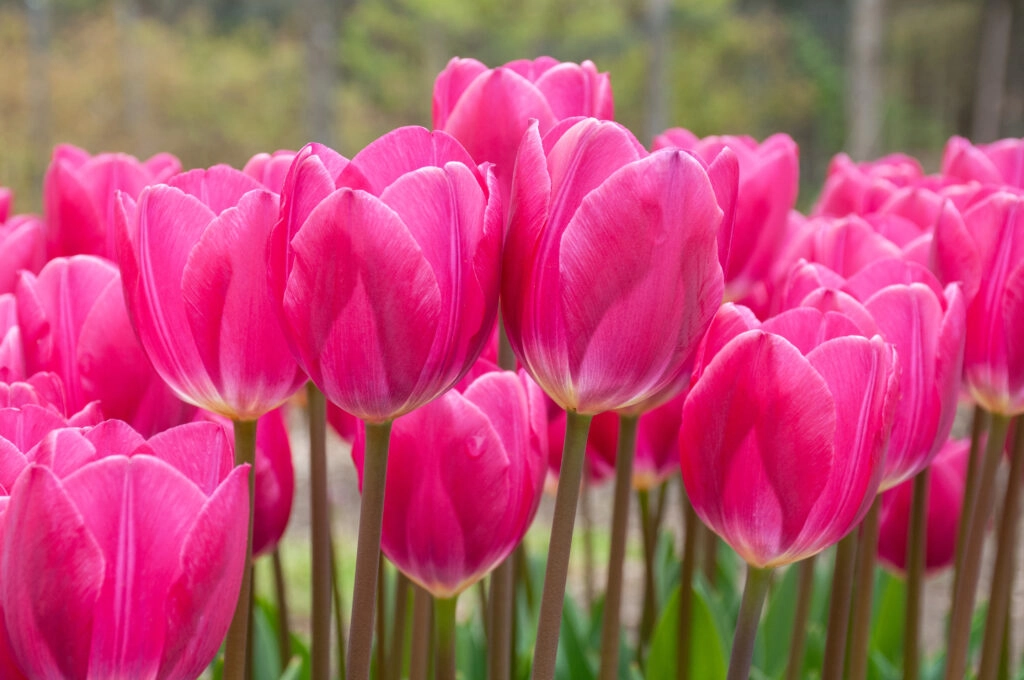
<point>790,420</point>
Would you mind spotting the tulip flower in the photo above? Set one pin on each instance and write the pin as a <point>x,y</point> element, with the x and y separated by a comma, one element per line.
<point>270,169</point>
<point>601,233</point>
<point>1000,163</point>
<point>22,247</point>
<point>488,110</point>
<point>12,358</point>
<point>79,193</point>
<point>6,198</point>
<point>477,459</point>
<point>768,183</point>
<point>193,260</point>
<point>804,386</point>
<point>410,207</point>
<point>73,322</point>
<point>123,558</point>
<point>946,481</point>
<point>985,250</point>
<point>860,188</point>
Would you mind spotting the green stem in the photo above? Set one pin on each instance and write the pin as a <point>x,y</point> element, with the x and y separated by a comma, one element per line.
<point>545,650</point>
<point>797,643</point>
<point>397,652</point>
<point>444,632</point>
<point>236,643</point>
<point>589,561</point>
<point>499,643</point>
<point>339,610</point>
<point>691,529</point>
<point>917,546</point>
<point>754,592</point>
<point>649,535</point>
<point>610,629</point>
<point>284,635</point>
<point>979,424</point>
<point>371,512</point>
<point>839,607</point>
<point>709,555</point>
<point>481,591</point>
<point>1002,575</point>
<point>381,621</point>
<point>320,536</point>
<point>419,657</point>
<point>963,599</point>
<point>860,620</point>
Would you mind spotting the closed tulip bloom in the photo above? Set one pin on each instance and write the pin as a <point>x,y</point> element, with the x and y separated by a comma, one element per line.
<point>488,110</point>
<point>386,269</point>
<point>73,322</point>
<point>193,260</point>
<point>946,482</point>
<point>768,182</point>
<point>985,251</point>
<point>600,235</point>
<point>861,188</point>
<point>22,247</point>
<point>270,169</point>
<point>122,558</point>
<point>1000,163</point>
<point>79,194</point>
<point>12,358</point>
<point>465,476</point>
<point>783,436</point>
<point>6,198</point>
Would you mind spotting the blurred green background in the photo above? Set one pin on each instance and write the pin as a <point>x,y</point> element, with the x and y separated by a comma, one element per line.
<point>219,81</point>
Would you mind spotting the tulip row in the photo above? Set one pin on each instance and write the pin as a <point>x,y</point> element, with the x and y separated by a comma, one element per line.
<point>663,308</point>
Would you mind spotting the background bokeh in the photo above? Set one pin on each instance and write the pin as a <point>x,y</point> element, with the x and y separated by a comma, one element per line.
<point>219,81</point>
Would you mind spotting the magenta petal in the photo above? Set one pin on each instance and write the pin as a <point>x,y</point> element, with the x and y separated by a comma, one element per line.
<point>449,86</point>
<point>178,446</point>
<point>646,235</point>
<point>201,598</point>
<point>218,188</point>
<point>348,256</point>
<point>576,90</point>
<point>724,173</point>
<point>75,224</point>
<point>53,572</point>
<point>756,444</point>
<point>231,315</point>
<point>1013,321</point>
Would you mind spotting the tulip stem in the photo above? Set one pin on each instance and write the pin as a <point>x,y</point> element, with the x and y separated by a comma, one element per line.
<point>381,621</point>
<point>839,607</point>
<point>284,636</point>
<point>691,529</point>
<point>339,616</point>
<point>864,578</point>
<point>917,546</point>
<point>979,424</point>
<point>397,653</point>
<point>649,534</point>
<point>545,651</point>
<point>610,629</point>
<point>754,592</point>
<point>709,555</point>
<point>797,643</point>
<point>236,644</point>
<point>963,598</point>
<point>1002,575</point>
<point>499,643</point>
<point>320,536</point>
<point>419,656</point>
<point>444,632</point>
<point>587,512</point>
<point>371,513</point>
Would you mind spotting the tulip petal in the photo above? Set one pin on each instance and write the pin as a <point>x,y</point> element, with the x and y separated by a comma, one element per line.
<point>45,535</point>
<point>348,256</point>
<point>177,447</point>
<point>218,188</point>
<point>75,225</point>
<point>646,235</point>
<point>449,86</point>
<point>576,90</point>
<point>756,445</point>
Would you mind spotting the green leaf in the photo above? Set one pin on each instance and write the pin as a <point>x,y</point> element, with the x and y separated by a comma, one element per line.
<point>777,625</point>
<point>887,630</point>
<point>266,658</point>
<point>574,645</point>
<point>707,658</point>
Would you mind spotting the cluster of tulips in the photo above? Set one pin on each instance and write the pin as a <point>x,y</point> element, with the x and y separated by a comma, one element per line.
<point>657,308</point>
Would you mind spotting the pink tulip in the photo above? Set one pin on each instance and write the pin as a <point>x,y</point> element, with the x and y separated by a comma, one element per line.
<point>6,198</point>
<point>601,234</point>
<point>860,188</point>
<point>12,358</point>
<point>193,259</point>
<point>768,183</point>
<point>465,476</point>
<point>386,269</point>
<point>270,169</point>
<point>79,194</point>
<point>275,478</point>
<point>73,322</point>
<point>783,436</point>
<point>488,110</point>
<point>946,483</point>
<point>985,250</point>
<point>123,558</point>
<point>1000,163</point>
<point>22,247</point>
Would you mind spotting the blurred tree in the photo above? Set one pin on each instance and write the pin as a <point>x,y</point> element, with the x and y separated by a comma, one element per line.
<point>993,57</point>
<point>864,97</point>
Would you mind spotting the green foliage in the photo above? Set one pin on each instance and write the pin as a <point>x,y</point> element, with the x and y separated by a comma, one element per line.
<point>708,647</point>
